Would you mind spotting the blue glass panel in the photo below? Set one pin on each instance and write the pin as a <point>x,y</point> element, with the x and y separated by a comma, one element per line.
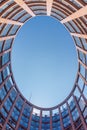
<point>69,27</point>
<point>24,124</point>
<point>8,104</point>
<point>2,93</point>
<point>11,121</point>
<point>75,114</point>
<point>84,43</point>
<point>75,26</point>
<point>56,124</point>
<point>5,58</point>
<point>5,74</point>
<point>19,103</point>
<point>26,111</point>
<point>19,15</point>
<point>35,117</point>
<point>7,44</point>
<point>4,113</point>
<point>15,114</point>
<point>13,30</point>
<point>8,85</point>
<point>22,19</point>
<point>82,57</point>
<point>72,105</point>
<point>0,78</point>
<point>65,112</point>
<point>45,119</point>
<point>66,121</point>
<point>2,120</point>
<point>5,30</point>
<point>1,44</point>
<point>56,16</point>
<point>8,127</point>
<point>56,117</point>
<point>59,13</point>
<point>78,41</point>
<point>13,94</point>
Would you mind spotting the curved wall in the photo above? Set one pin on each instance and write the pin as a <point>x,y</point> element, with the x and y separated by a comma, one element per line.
<point>16,113</point>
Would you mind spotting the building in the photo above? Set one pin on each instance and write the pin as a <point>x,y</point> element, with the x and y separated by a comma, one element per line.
<point>16,113</point>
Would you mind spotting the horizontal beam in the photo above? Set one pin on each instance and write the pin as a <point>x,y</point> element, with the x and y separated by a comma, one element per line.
<point>79,35</point>
<point>82,50</point>
<point>49,6</point>
<point>8,21</point>
<point>7,37</point>
<point>79,13</point>
<point>23,5</point>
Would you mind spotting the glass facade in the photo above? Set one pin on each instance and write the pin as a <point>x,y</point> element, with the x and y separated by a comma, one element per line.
<point>16,113</point>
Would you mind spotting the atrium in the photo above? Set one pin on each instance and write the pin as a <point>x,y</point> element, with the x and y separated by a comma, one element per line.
<point>16,112</point>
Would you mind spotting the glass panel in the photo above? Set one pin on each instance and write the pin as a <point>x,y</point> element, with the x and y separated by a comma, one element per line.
<point>13,94</point>
<point>5,74</point>
<point>8,85</point>
<point>22,19</point>
<point>5,30</point>
<point>0,78</point>
<point>5,58</point>
<point>7,44</point>
<point>56,16</point>
<point>15,114</point>
<point>4,113</point>
<point>85,112</point>
<point>75,114</point>
<point>81,104</point>
<point>75,26</point>
<point>27,110</point>
<point>80,83</point>
<point>11,121</point>
<point>1,44</point>
<point>65,112</point>
<point>8,104</point>
<point>13,30</point>
<point>66,121</point>
<point>2,93</point>
<point>19,103</point>
<point>72,105</point>
<point>8,127</point>
<point>59,13</point>
<point>18,15</point>
<point>69,27</point>
<point>24,121</point>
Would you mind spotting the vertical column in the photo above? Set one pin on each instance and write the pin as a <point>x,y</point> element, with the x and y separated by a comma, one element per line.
<point>30,119</point>
<point>80,113</point>
<point>50,119</point>
<point>10,113</point>
<point>49,6</point>
<point>20,116</point>
<point>40,120</point>
<point>72,124</point>
<point>61,120</point>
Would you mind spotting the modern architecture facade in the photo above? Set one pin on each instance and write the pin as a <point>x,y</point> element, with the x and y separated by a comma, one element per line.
<point>16,113</point>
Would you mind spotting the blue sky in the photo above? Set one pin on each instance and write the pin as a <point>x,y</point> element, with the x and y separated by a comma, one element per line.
<point>44,61</point>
